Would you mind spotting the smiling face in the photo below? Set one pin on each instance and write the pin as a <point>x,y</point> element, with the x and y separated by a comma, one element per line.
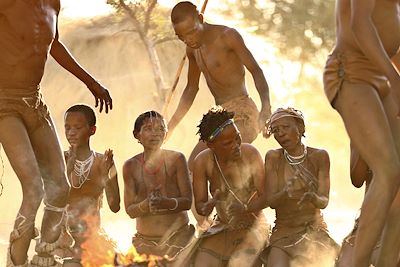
<point>190,31</point>
<point>227,144</point>
<point>77,129</point>
<point>287,132</point>
<point>152,133</point>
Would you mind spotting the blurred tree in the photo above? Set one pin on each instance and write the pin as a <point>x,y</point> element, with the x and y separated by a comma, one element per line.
<point>152,25</point>
<point>301,29</point>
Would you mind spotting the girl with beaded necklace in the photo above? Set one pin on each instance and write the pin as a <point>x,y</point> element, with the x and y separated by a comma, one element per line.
<point>90,174</point>
<point>158,192</point>
<point>297,184</point>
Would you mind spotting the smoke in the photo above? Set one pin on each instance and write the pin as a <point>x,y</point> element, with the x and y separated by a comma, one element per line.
<point>118,60</point>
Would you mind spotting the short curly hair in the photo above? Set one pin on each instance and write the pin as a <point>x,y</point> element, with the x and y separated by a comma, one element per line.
<point>214,118</point>
<point>183,10</point>
<point>86,110</point>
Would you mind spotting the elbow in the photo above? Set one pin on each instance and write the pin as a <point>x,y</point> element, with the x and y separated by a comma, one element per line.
<point>357,183</point>
<point>115,208</point>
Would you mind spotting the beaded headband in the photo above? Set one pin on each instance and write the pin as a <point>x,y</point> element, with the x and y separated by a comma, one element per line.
<point>281,113</point>
<point>219,129</point>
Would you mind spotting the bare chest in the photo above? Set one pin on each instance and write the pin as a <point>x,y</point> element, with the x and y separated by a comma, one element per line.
<point>31,22</point>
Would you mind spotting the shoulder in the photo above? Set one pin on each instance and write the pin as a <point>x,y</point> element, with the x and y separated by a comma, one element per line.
<point>273,155</point>
<point>249,150</point>
<point>132,163</point>
<point>317,154</point>
<point>203,157</point>
<point>230,35</point>
<point>174,156</point>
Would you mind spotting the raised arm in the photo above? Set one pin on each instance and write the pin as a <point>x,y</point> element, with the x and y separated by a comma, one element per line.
<point>189,93</point>
<point>133,207</point>
<point>112,190</point>
<point>235,41</point>
<point>369,42</point>
<point>61,54</point>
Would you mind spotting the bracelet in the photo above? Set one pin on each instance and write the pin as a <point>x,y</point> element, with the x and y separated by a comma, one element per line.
<point>176,204</point>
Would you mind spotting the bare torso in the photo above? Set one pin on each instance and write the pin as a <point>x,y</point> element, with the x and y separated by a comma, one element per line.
<point>285,173</point>
<point>85,198</point>
<point>25,44</point>
<point>157,225</point>
<point>386,18</point>
<point>221,66</point>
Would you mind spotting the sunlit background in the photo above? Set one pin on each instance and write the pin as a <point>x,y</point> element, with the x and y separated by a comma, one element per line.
<point>116,57</point>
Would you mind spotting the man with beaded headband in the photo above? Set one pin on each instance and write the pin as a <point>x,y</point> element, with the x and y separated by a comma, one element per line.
<point>158,192</point>
<point>90,174</point>
<point>297,184</point>
<point>235,176</point>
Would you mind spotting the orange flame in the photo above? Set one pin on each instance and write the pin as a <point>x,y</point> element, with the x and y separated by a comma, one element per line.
<point>99,250</point>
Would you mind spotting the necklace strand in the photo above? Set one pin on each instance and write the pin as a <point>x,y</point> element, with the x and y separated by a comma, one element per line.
<point>82,170</point>
<point>295,160</point>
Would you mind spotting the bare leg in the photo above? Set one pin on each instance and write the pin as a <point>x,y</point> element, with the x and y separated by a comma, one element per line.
<point>19,151</point>
<point>278,258</point>
<point>368,127</point>
<point>49,156</point>
<point>391,239</point>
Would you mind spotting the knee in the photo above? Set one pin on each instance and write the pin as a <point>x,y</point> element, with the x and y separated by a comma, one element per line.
<point>57,193</point>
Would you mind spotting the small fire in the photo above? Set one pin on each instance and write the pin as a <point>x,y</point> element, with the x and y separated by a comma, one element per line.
<point>99,250</point>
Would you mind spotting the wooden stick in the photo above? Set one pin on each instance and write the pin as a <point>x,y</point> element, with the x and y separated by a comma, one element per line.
<point>178,72</point>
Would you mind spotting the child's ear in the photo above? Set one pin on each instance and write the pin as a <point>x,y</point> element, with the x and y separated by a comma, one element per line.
<point>93,130</point>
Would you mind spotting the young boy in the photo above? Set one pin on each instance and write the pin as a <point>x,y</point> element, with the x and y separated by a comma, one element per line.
<point>89,173</point>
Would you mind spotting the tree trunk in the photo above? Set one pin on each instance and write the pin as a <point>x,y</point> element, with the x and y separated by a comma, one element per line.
<point>159,95</point>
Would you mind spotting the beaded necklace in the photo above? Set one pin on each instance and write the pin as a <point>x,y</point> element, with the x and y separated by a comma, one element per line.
<point>82,170</point>
<point>295,160</point>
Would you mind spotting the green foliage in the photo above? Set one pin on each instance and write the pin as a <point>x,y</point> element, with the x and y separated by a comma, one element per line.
<point>300,29</point>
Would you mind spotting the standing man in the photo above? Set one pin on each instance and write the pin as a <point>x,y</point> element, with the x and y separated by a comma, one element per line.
<point>28,30</point>
<point>220,53</point>
<point>363,85</point>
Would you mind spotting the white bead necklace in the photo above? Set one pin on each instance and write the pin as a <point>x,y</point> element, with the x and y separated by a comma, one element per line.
<point>295,160</point>
<point>82,170</point>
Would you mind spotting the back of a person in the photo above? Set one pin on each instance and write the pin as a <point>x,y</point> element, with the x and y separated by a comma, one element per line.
<point>385,18</point>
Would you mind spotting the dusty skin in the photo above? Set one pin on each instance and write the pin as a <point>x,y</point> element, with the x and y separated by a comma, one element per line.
<point>219,52</point>
<point>29,34</point>
<point>367,96</point>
